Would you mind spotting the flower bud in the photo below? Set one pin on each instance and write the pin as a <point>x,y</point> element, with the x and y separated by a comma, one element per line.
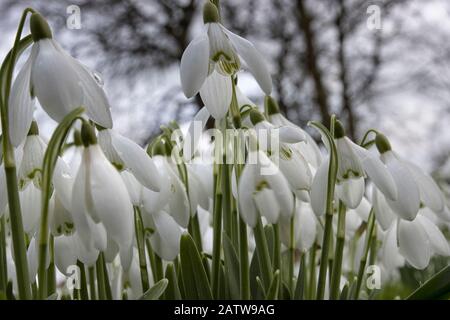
<point>256,116</point>
<point>39,28</point>
<point>271,106</point>
<point>339,131</point>
<point>382,143</point>
<point>88,134</point>
<point>210,13</point>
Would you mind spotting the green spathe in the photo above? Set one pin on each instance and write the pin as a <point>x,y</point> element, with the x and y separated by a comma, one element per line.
<point>256,116</point>
<point>271,105</point>
<point>382,143</point>
<point>210,13</point>
<point>88,134</point>
<point>339,131</point>
<point>39,28</point>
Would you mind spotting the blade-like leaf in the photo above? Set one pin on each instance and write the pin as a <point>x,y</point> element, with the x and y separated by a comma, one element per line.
<point>172,291</point>
<point>272,293</point>
<point>438,287</point>
<point>156,291</point>
<point>231,267</point>
<point>195,280</point>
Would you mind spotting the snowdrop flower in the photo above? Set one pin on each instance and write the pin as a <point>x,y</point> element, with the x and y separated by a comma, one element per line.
<point>60,83</point>
<point>308,148</point>
<point>265,195</point>
<point>413,185</point>
<point>172,197</point>
<point>354,163</point>
<point>216,94</point>
<point>101,205</point>
<point>266,131</point>
<point>30,178</point>
<point>124,153</point>
<point>305,227</point>
<point>221,50</point>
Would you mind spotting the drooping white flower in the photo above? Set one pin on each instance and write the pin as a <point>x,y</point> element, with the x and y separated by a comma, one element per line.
<point>126,154</point>
<point>100,200</point>
<point>57,80</point>
<point>354,163</point>
<point>413,185</point>
<point>262,194</point>
<point>219,49</point>
<point>305,227</point>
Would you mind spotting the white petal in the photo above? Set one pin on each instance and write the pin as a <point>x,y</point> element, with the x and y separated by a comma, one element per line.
<point>291,135</point>
<point>3,190</point>
<point>32,160</point>
<point>267,205</point>
<point>65,254</point>
<point>254,60</point>
<point>438,242</point>
<point>179,207</point>
<point>377,172</point>
<point>21,104</point>
<point>194,133</point>
<point>216,94</point>
<point>408,196</point>
<point>246,187</point>
<point>194,65</point>
<point>166,240</point>
<point>383,213</point>
<point>391,257</point>
<point>133,187</point>
<point>60,219</point>
<point>430,194</point>
<point>30,200</point>
<point>319,188</point>
<point>283,194</point>
<point>87,255</point>
<point>413,243</point>
<point>349,164</point>
<point>110,198</point>
<point>55,82</point>
<point>137,160</point>
<point>363,210</point>
<point>94,97</point>
<point>105,142</point>
<point>63,182</point>
<point>198,191</point>
<point>295,168</point>
<point>351,192</point>
<point>307,226</point>
<point>32,258</point>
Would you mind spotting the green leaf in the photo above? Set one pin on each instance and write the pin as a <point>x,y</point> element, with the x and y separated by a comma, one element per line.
<point>438,287</point>
<point>272,293</point>
<point>299,293</point>
<point>156,291</point>
<point>231,267</point>
<point>344,292</point>
<point>195,280</point>
<point>172,291</point>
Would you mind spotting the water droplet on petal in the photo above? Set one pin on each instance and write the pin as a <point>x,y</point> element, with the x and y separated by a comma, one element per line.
<point>98,78</point>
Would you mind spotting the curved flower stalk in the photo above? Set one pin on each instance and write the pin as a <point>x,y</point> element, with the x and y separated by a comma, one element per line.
<point>58,81</point>
<point>413,185</point>
<point>101,205</point>
<point>221,50</point>
<point>266,195</point>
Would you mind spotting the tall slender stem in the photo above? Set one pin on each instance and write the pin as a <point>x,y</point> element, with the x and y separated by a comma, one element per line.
<point>139,227</point>
<point>3,261</point>
<point>367,246</point>
<point>291,256</point>
<point>217,230</point>
<point>92,288</point>
<point>340,241</point>
<point>265,265</point>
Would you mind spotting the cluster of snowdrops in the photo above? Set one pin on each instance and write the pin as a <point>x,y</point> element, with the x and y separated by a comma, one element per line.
<point>252,209</point>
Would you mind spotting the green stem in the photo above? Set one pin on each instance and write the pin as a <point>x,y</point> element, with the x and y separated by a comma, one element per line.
<point>100,278</point>
<point>194,230</point>
<point>291,256</point>
<point>265,265</point>
<point>51,274</point>
<point>340,242</point>
<point>312,273</point>
<point>141,249</point>
<point>367,246</point>
<point>151,257</point>
<point>83,284</point>
<point>92,288</point>
<point>158,268</point>
<point>217,230</point>
<point>277,256</point>
<point>3,261</point>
